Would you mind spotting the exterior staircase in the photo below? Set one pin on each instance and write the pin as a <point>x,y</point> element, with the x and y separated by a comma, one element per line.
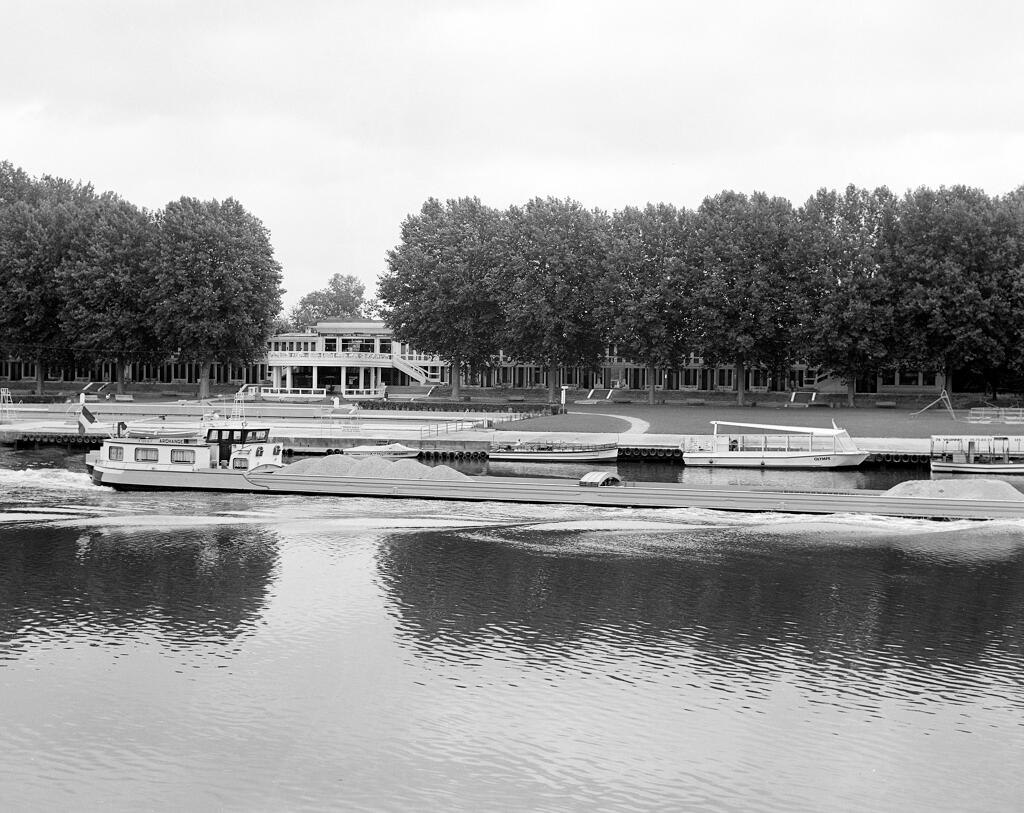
<point>414,371</point>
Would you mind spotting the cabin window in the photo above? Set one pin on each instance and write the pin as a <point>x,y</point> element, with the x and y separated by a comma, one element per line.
<point>183,456</point>
<point>145,454</point>
<point>259,435</point>
<point>115,453</point>
<point>240,463</point>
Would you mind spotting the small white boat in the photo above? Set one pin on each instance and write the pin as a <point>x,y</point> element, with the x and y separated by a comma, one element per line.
<point>391,451</point>
<point>977,454</point>
<point>553,452</point>
<point>753,445</point>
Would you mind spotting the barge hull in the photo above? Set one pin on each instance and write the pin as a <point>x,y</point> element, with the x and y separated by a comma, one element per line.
<point>569,492</point>
<point>635,495</point>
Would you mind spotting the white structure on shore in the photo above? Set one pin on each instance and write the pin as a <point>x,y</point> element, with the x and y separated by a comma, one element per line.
<point>353,357</point>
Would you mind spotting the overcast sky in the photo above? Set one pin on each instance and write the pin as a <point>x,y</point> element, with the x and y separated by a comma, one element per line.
<point>332,121</point>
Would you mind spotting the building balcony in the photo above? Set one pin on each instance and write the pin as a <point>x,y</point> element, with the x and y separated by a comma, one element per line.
<point>305,358</point>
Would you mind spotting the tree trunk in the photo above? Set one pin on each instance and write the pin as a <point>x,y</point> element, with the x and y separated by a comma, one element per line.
<point>553,384</point>
<point>651,373</point>
<point>40,376</point>
<point>455,376</point>
<point>851,390</point>
<point>123,369</point>
<point>740,383</point>
<point>204,380</point>
<point>455,370</point>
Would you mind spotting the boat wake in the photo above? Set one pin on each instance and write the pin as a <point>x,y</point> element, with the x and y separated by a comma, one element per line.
<point>45,479</point>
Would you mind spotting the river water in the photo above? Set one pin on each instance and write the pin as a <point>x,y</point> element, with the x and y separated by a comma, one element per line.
<point>192,651</point>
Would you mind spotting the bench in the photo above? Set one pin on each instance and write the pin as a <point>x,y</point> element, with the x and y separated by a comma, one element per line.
<point>885,404</point>
<point>127,396</point>
<point>516,399</point>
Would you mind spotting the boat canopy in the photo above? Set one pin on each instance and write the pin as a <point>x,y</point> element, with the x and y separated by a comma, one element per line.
<point>798,430</point>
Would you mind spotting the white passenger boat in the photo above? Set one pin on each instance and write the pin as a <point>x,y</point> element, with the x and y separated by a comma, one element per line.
<point>212,458</point>
<point>977,454</point>
<point>553,452</point>
<point>389,451</point>
<point>753,445</point>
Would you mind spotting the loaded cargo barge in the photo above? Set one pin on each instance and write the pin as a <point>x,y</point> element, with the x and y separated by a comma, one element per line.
<point>245,458</point>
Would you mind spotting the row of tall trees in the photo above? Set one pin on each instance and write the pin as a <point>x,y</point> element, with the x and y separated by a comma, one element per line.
<point>858,281</point>
<point>88,277</point>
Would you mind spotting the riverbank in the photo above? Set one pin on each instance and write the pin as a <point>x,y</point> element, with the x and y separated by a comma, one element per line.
<point>673,419</point>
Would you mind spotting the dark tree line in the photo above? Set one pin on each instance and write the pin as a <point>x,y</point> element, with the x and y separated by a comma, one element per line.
<point>859,281</point>
<point>88,277</point>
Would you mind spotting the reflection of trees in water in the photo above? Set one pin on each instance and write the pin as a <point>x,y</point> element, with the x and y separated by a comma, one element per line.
<point>186,584</point>
<point>732,595</point>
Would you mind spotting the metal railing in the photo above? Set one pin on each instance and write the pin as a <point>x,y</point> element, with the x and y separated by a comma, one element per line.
<point>995,415</point>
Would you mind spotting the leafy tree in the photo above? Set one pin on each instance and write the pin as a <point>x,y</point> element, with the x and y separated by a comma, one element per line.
<point>341,299</point>
<point>556,287</point>
<point>44,226</point>
<point>104,313</point>
<point>752,293</point>
<point>953,252</point>
<point>651,318</point>
<point>216,287</point>
<point>439,290</point>
<point>1010,214</point>
<point>853,332</point>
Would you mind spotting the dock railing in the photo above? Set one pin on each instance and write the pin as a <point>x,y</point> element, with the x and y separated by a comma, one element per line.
<point>995,415</point>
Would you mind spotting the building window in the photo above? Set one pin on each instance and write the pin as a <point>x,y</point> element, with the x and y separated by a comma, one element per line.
<point>330,345</point>
<point>146,454</point>
<point>115,453</point>
<point>183,456</point>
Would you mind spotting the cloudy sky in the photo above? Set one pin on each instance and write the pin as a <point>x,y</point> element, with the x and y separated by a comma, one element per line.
<point>332,120</point>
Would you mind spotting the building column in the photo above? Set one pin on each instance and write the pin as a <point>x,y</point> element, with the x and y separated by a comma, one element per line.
<point>344,380</point>
<point>275,377</point>
<point>315,385</point>
<point>288,377</point>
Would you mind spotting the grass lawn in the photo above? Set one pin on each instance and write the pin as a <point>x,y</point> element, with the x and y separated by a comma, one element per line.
<point>672,419</point>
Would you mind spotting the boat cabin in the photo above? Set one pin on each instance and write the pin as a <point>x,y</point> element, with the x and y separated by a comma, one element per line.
<point>747,437</point>
<point>236,448</point>
<point>981,449</point>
